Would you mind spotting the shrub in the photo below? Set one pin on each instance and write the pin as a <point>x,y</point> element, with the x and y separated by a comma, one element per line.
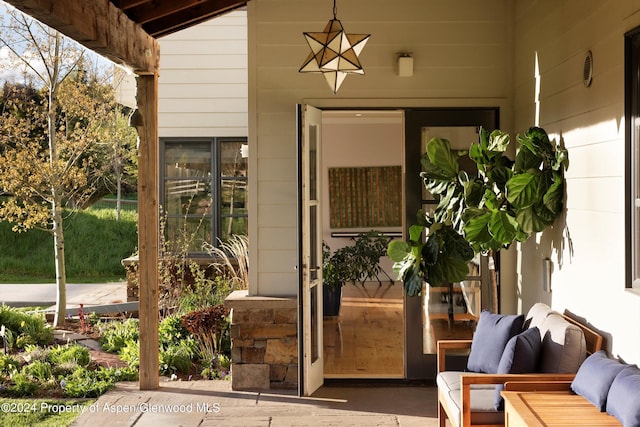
<point>204,292</point>
<point>84,383</point>
<point>70,353</point>
<point>171,330</point>
<point>34,352</point>
<point>209,328</point>
<point>115,335</point>
<point>65,368</point>
<point>8,364</point>
<point>117,374</point>
<point>38,370</point>
<point>26,328</point>
<point>217,368</point>
<point>130,353</point>
<point>176,358</point>
<point>21,386</point>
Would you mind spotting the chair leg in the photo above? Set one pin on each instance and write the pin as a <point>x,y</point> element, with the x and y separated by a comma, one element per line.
<point>442,415</point>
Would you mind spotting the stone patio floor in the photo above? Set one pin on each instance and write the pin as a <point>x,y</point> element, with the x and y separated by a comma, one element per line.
<point>213,403</point>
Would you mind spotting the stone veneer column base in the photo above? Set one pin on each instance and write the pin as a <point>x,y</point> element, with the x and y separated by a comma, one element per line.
<point>264,341</point>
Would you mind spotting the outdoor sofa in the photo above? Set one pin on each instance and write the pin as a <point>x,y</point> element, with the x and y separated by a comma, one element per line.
<point>544,345</point>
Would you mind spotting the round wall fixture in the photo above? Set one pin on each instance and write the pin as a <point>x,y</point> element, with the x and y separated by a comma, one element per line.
<point>587,71</point>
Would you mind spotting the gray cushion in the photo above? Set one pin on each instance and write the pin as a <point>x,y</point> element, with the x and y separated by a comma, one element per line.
<point>489,340</point>
<point>564,347</point>
<point>622,400</point>
<point>594,378</point>
<point>482,405</point>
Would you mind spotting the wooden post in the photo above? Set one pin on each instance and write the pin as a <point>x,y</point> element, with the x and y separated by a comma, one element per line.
<point>148,225</point>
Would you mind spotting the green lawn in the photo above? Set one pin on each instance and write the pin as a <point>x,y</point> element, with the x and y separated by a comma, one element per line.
<point>95,244</point>
<point>41,412</point>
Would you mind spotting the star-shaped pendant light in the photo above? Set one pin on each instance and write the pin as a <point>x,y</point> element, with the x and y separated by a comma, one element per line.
<point>334,53</point>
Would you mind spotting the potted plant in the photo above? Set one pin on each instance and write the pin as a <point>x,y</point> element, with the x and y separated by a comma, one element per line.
<point>506,202</point>
<point>353,263</point>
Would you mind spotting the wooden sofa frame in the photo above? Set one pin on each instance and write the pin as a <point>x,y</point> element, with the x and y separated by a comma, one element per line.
<point>593,342</point>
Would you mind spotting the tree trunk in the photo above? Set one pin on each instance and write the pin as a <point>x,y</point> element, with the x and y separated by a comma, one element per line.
<point>117,164</point>
<point>118,193</point>
<point>56,197</point>
<point>61,275</point>
<point>56,219</point>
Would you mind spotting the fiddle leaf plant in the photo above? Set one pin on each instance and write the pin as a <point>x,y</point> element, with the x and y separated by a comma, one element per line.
<point>506,201</point>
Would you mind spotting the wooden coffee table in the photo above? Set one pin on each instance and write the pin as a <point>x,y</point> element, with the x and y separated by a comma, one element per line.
<point>552,409</point>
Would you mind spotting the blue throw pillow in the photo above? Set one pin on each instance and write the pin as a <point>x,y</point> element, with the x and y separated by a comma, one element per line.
<point>622,400</point>
<point>594,378</point>
<point>489,340</point>
<point>520,356</point>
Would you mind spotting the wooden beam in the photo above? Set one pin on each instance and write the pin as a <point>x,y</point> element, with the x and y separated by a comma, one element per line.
<point>151,11</point>
<point>200,12</point>
<point>100,26</point>
<point>148,224</point>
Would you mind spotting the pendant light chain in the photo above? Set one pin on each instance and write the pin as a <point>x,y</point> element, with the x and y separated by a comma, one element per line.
<point>335,10</point>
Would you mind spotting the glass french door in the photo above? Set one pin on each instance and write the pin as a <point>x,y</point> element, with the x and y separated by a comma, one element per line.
<point>310,340</point>
<point>441,312</point>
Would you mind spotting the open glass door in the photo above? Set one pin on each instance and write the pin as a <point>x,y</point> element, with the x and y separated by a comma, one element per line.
<point>310,327</point>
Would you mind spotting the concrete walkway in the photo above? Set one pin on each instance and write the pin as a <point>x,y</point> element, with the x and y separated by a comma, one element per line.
<point>22,295</point>
<point>213,403</point>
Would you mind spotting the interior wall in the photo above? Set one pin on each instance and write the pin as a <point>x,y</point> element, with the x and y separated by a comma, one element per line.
<point>371,139</point>
<point>586,246</point>
<point>462,53</point>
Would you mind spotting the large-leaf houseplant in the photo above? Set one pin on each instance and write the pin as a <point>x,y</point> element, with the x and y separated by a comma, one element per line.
<point>504,202</point>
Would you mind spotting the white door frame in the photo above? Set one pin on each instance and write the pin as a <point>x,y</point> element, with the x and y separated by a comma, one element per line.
<point>310,320</point>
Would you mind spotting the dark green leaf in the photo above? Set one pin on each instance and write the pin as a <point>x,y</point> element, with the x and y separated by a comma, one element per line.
<point>473,191</point>
<point>413,283</point>
<point>554,197</point>
<point>476,226</point>
<point>526,160</point>
<point>529,220</point>
<point>430,251</point>
<point>442,161</point>
<point>490,200</point>
<point>500,175</point>
<point>503,227</point>
<point>476,153</point>
<point>455,269</point>
<point>522,190</point>
<point>456,245</point>
<point>434,274</point>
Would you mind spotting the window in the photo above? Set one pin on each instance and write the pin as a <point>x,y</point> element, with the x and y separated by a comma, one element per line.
<point>632,156</point>
<point>203,191</point>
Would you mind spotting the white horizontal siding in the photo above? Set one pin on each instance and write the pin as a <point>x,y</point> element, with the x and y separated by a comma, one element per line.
<point>203,79</point>
<point>587,244</point>
<point>202,88</point>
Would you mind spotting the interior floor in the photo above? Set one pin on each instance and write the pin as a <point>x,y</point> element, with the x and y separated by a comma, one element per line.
<point>367,339</point>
